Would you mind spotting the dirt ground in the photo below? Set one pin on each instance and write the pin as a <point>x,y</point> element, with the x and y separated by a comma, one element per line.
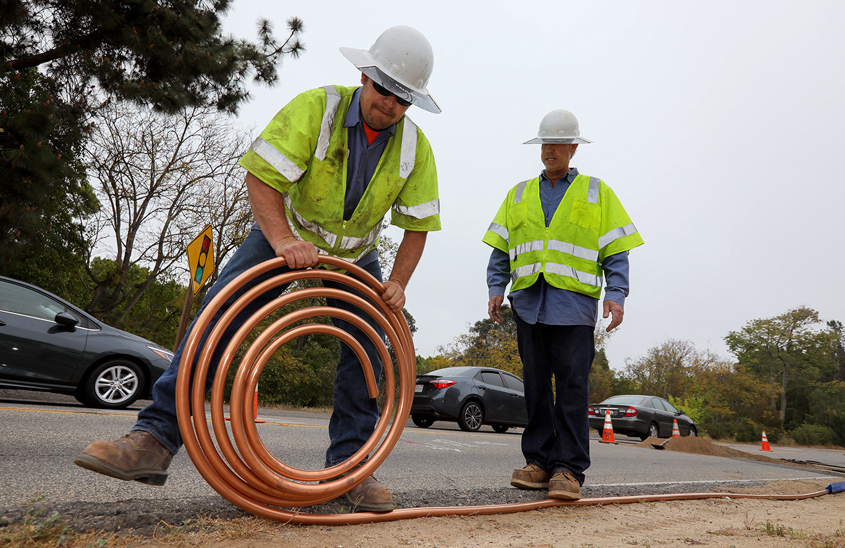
<point>723,522</point>
<point>726,521</point>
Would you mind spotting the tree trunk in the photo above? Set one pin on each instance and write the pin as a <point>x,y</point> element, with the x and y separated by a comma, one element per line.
<point>783,398</point>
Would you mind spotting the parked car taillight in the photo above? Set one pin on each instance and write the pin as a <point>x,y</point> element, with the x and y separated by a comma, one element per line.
<point>442,384</point>
<point>590,411</point>
<point>631,412</point>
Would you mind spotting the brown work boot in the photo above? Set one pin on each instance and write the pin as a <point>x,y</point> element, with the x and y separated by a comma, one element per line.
<point>370,496</point>
<point>563,485</point>
<point>530,477</point>
<point>136,456</point>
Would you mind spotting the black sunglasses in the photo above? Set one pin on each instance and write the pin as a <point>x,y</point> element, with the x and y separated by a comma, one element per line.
<point>382,91</point>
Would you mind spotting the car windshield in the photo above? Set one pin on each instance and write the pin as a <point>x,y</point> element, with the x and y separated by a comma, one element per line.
<point>624,400</point>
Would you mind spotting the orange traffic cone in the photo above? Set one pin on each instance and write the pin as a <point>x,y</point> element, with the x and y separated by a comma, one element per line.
<point>676,433</point>
<point>607,433</point>
<point>765,443</point>
<point>254,407</point>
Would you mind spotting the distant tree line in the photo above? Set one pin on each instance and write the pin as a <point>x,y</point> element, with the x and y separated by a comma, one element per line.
<point>788,376</point>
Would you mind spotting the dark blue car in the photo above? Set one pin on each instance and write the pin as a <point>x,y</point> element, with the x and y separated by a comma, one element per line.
<point>50,345</point>
<point>470,395</point>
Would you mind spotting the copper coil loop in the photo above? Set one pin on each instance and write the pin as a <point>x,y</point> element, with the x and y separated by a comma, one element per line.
<point>250,477</point>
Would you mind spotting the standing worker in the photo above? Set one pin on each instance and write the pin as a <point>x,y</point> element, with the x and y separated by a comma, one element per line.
<point>321,177</point>
<point>553,238</point>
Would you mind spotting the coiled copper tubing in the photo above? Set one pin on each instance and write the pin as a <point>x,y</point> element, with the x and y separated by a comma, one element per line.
<point>250,477</point>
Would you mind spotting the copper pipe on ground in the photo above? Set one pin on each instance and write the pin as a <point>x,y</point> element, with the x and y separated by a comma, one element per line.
<point>253,479</point>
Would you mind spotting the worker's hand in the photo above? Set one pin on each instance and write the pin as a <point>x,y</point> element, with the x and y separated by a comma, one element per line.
<point>612,307</point>
<point>494,308</point>
<point>297,253</point>
<point>394,295</point>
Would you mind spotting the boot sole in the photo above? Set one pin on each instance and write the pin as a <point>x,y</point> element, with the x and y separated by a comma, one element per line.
<point>365,507</point>
<point>564,495</point>
<point>529,485</point>
<point>149,477</point>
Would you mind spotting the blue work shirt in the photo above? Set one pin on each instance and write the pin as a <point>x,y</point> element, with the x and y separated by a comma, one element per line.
<point>363,157</point>
<point>543,302</point>
<point>362,160</point>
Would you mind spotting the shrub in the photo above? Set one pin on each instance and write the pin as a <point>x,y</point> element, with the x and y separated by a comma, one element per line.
<point>814,434</point>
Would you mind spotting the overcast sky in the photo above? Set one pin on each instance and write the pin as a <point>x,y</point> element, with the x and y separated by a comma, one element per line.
<point>718,124</point>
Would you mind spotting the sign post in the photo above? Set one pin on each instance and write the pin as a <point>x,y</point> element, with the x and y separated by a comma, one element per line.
<point>201,262</point>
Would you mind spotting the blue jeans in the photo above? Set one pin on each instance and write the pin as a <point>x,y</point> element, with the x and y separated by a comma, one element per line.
<point>557,436</point>
<point>355,414</point>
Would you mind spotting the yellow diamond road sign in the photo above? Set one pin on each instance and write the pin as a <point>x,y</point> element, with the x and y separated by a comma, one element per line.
<point>201,259</point>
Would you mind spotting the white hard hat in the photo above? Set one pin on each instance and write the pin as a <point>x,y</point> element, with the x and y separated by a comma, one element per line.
<point>401,60</point>
<point>559,127</point>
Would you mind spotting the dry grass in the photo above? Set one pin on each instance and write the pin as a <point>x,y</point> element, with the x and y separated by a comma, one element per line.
<point>41,530</point>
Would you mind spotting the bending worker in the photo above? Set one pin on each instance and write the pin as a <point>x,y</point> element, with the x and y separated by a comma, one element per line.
<point>321,177</point>
<point>552,238</point>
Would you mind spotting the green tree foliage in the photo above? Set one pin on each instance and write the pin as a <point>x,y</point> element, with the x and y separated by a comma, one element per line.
<point>601,379</point>
<point>669,369</point>
<point>167,54</point>
<point>790,352</point>
<point>837,332</point>
<point>43,191</point>
<point>486,344</point>
<point>155,315</point>
<point>728,401</point>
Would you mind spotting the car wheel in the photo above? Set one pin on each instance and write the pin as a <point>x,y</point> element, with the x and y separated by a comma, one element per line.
<point>471,417</point>
<point>653,431</point>
<point>423,421</point>
<point>500,428</point>
<point>692,431</point>
<point>115,384</point>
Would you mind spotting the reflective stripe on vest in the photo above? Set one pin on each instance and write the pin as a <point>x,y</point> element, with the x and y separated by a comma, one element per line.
<point>555,245</point>
<point>498,229</point>
<point>617,233</point>
<point>520,188</point>
<point>408,154</point>
<point>332,102</point>
<point>420,211</point>
<point>347,242</point>
<point>536,245</point>
<point>593,192</point>
<point>282,163</point>
<point>555,268</point>
<point>574,250</point>
<point>279,161</point>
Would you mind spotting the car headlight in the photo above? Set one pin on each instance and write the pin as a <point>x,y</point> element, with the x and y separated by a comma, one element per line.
<point>165,354</point>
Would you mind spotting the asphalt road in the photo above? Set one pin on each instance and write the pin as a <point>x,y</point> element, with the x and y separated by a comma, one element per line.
<point>41,433</point>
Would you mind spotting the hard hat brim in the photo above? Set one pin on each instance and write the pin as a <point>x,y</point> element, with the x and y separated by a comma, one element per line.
<point>552,141</point>
<point>364,62</point>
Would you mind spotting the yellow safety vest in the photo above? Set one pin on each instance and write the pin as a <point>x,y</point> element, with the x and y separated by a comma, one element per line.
<point>303,152</point>
<point>589,225</point>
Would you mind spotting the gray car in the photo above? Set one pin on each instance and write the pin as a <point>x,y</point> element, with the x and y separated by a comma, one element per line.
<point>640,416</point>
<point>50,345</point>
<point>472,396</point>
